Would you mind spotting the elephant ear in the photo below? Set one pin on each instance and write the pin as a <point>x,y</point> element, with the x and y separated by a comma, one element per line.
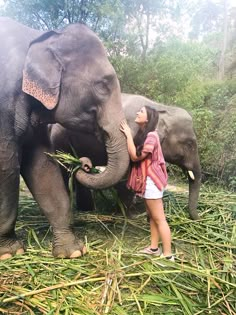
<point>162,126</point>
<point>42,70</point>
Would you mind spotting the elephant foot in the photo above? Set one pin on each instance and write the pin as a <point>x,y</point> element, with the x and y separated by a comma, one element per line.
<point>11,248</point>
<point>194,215</point>
<point>67,245</point>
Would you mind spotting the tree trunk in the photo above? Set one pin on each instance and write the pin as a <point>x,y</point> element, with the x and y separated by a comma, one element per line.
<point>221,72</point>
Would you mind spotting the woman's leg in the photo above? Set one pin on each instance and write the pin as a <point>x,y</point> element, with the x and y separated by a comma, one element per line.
<point>154,234</point>
<point>159,226</point>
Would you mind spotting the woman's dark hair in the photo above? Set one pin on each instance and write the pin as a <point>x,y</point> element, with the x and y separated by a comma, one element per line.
<point>139,139</point>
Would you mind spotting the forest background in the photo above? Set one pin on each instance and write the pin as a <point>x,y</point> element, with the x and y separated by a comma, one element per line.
<point>177,52</point>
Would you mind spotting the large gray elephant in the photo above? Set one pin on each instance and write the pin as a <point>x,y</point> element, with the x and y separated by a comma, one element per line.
<point>53,77</point>
<point>178,141</point>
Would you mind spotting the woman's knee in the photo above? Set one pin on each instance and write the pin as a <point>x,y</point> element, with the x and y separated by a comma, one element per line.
<point>160,221</point>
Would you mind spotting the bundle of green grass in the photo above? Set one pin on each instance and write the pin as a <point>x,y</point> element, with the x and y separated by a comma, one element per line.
<point>70,162</point>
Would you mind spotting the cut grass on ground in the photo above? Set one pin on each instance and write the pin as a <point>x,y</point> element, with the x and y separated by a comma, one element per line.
<point>113,278</point>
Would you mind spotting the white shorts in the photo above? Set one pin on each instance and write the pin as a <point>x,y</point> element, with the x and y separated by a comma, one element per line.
<point>152,192</point>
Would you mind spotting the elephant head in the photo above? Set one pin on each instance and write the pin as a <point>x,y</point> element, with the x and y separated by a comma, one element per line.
<point>68,72</point>
<point>180,148</point>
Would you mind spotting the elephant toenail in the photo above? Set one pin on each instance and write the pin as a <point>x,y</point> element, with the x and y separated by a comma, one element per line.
<point>76,254</point>
<point>20,251</point>
<point>5,256</point>
<point>60,256</point>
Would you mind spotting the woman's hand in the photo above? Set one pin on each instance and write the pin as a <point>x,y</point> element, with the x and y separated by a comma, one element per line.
<point>125,129</point>
<point>130,142</point>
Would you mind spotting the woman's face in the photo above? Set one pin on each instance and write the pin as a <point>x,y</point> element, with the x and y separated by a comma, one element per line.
<point>141,117</point>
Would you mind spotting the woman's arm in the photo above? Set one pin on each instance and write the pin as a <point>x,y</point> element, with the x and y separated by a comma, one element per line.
<point>130,143</point>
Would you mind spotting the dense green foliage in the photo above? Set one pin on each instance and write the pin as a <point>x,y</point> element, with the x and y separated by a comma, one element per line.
<point>176,52</point>
<point>185,75</point>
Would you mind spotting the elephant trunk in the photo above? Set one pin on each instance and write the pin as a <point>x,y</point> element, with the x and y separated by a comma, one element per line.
<point>194,188</point>
<point>116,147</point>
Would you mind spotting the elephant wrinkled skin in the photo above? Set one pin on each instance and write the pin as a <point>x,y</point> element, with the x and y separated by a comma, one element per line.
<point>52,77</point>
<point>178,141</point>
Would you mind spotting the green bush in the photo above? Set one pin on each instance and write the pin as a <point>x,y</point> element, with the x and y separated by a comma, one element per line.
<point>192,96</point>
<point>219,94</point>
<point>216,133</point>
<point>137,77</point>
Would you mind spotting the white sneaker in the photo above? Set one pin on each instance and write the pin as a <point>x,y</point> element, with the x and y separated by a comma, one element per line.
<point>170,258</point>
<point>148,251</point>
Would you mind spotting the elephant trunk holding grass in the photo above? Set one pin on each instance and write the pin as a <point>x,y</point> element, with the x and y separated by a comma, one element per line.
<point>178,141</point>
<point>53,77</point>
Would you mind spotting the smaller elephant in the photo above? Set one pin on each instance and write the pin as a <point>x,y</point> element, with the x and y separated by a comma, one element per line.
<point>177,136</point>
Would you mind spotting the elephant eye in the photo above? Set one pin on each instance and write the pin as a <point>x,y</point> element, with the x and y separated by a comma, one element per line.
<point>190,145</point>
<point>101,87</point>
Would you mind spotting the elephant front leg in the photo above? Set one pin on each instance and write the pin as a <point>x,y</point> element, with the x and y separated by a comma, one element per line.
<point>9,195</point>
<point>44,179</point>
<point>84,198</point>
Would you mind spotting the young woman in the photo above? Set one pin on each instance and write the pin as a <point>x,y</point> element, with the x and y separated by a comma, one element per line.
<point>146,154</point>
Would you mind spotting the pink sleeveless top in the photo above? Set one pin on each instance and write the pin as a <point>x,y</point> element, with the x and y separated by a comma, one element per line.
<point>153,166</point>
<point>157,166</point>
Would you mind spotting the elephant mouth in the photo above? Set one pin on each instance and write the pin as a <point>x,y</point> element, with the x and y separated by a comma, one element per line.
<point>87,127</point>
